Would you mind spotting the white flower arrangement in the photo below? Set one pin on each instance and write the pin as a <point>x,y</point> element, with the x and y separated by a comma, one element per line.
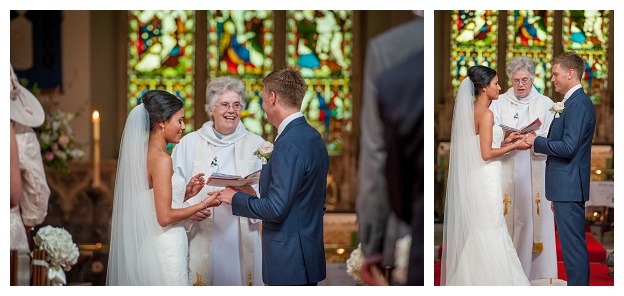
<point>62,251</point>
<point>401,258</point>
<point>354,263</point>
<point>557,108</point>
<point>264,151</point>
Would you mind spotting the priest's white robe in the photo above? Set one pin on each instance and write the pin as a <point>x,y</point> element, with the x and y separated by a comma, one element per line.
<point>530,219</point>
<point>221,247</point>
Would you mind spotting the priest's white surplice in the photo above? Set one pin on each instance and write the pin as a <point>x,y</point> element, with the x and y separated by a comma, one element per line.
<point>225,250</point>
<point>527,211</point>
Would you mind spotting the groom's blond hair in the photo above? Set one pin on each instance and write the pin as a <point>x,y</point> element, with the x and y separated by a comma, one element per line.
<point>288,84</point>
<point>571,60</point>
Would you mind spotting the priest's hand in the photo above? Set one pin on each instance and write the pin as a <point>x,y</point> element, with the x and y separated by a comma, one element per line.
<point>246,189</point>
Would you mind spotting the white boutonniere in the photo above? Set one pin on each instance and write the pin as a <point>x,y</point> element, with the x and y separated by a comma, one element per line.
<point>557,108</point>
<point>264,151</point>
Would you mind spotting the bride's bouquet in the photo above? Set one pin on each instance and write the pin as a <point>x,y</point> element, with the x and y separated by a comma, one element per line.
<point>62,251</point>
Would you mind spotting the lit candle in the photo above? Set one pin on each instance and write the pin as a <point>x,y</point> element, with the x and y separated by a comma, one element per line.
<point>96,148</point>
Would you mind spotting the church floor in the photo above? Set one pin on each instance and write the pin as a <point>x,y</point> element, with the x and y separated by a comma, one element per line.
<point>605,239</point>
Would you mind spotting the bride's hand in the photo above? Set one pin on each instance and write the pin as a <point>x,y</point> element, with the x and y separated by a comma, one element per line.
<point>200,216</point>
<point>522,145</point>
<point>510,138</point>
<point>212,200</point>
<point>194,186</point>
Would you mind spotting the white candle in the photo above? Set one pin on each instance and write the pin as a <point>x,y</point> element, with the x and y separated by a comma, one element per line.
<point>96,148</point>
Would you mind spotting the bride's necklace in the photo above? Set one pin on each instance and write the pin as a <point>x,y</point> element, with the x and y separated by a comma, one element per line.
<point>484,106</point>
<point>156,148</point>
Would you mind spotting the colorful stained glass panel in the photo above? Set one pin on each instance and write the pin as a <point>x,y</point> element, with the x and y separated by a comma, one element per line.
<point>240,44</point>
<point>319,44</point>
<point>473,41</point>
<point>161,56</point>
<point>587,33</point>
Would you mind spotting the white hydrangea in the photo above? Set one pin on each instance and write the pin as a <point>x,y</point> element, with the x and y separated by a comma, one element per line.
<point>401,258</point>
<point>354,263</point>
<point>59,245</point>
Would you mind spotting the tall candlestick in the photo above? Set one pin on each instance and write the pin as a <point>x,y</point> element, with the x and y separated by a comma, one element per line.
<point>96,148</point>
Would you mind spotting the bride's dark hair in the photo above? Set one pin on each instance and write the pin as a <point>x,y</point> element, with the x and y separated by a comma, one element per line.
<point>160,106</point>
<point>481,76</point>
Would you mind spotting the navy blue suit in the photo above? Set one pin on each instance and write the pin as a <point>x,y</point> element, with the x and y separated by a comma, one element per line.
<point>568,147</point>
<point>292,186</point>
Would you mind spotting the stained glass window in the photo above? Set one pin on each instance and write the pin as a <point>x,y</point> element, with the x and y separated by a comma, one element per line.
<point>240,44</point>
<point>473,42</point>
<point>161,56</point>
<point>530,33</point>
<point>587,33</point>
<point>319,44</point>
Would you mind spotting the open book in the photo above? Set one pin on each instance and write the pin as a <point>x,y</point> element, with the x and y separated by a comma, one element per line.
<point>533,126</point>
<point>223,180</point>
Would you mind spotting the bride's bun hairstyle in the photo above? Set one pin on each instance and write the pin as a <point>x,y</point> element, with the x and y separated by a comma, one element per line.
<point>481,76</point>
<point>160,106</point>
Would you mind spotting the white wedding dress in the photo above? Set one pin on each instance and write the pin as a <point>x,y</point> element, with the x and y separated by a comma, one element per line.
<point>172,242</point>
<point>142,253</point>
<point>488,257</point>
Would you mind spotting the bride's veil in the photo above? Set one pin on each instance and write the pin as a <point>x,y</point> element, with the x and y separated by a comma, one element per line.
<point>133,256</point>
<point>464,192</point>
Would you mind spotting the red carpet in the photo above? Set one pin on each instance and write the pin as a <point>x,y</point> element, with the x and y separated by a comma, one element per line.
<point>597,270</point>
<point>598,274</point>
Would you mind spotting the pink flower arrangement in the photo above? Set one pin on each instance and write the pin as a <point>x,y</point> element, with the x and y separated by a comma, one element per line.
<point>55,137</point>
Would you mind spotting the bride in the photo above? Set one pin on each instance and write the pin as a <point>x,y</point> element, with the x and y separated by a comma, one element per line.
<point>477,248</point>
<point>148,242</point>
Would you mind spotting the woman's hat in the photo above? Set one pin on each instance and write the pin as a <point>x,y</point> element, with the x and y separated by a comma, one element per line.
<point>25,107</point>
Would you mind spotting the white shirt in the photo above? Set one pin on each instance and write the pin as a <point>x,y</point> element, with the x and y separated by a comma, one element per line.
<point>570,92</point>
<point>286,121</point>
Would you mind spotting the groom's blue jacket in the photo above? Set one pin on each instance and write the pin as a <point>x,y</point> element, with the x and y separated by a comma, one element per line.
<point>568,147</point>
<point>292,204</point>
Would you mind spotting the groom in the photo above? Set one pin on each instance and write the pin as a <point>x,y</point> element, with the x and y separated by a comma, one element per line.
<point>568,147</point>
<point>292,186</point>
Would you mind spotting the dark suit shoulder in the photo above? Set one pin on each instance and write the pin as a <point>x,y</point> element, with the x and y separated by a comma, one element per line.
<point>299,130</point>
<point>405,32</point>
<point>579,96</point>
<point>580,99</point>
<point>397,43</point>
<point>401,91</point>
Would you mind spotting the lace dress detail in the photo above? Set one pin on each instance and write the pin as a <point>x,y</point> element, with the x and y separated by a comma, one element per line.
<point>489,257</point>
<point>173,243</point>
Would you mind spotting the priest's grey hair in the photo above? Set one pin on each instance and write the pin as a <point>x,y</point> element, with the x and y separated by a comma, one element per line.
<point>220,85</point>
<point>521,63</point>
